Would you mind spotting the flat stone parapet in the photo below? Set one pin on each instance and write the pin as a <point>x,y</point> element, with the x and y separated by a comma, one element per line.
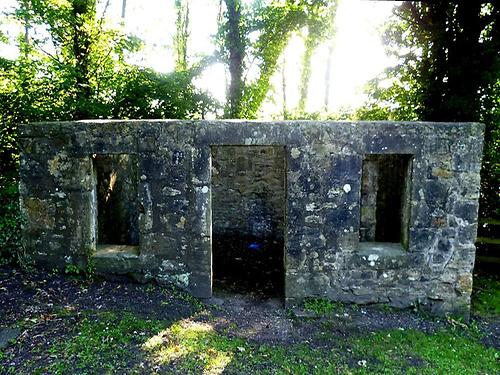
<point>366,212</point>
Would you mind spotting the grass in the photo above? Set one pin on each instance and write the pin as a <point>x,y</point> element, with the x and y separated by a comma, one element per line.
<point>321,306</point>
<point>195,348</point>
<point>486,296</point>
<point>102,342</point>
<point>107,343</point>
<point>488,240</point>
<point>415,352</point>
<point>180,295</point>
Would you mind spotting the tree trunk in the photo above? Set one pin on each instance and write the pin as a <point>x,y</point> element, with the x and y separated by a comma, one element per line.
<point>235,45</point>
<point>326,100</point>
<point>305,76</point>
<point>283,88</point>
<point>83,11</point>
<point>124,8</point>
<point>467,75</point>
<point>454,69</point>
<point>181,34</point>
<point>25,6</point>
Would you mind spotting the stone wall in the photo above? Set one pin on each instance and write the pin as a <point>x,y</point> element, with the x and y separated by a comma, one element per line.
<point>248,192</point>
<point>324,256</point>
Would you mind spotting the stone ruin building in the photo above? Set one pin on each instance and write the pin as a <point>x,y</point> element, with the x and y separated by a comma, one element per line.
<point>362,212</point>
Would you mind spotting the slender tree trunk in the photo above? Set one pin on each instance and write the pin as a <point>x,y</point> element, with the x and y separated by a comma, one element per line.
<point>326,100</point>
<point>181,34</point>
<point>26,31</point>
<point>220,13</point>
<point>305,76</point>
<point>235,45</point>
<point>25,6</point>
<point>83,11</point>
<point>124,8</point>
<point>283,88</point>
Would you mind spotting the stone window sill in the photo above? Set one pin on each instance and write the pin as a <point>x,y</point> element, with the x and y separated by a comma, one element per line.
<point>116,251</point>
<point>381,255</point>
<point>382,249</point>
<point>116,259</point>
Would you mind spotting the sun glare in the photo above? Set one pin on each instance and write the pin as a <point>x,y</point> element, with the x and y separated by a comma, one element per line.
<point>358,54</point>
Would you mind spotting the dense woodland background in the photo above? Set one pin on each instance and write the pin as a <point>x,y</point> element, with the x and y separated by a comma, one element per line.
<point>448,70</point>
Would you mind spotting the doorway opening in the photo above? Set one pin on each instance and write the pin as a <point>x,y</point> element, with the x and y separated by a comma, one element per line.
<point>248,219</point>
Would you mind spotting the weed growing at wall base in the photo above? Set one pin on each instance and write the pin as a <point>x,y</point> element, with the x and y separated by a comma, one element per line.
<point>322,306</point>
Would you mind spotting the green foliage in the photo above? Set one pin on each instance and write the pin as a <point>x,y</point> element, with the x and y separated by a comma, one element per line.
<point>486,296</point>
<point>84,75</point>
<point>87,271</point>
<point>322,306</point>
<point>11,249</point>
<point>415,352</point>
<point>178,294</point>
<point>146,94</point>
<point>434,79</point>
<point>395,102</point>
<point>181,34</point>
<point>319,28</point>
<point>490,172</point>
<point>73,269</point>
<point>253,39</point>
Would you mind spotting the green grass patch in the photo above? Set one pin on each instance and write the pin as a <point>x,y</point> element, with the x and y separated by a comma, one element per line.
<point>488,240</point>
<point>194,348</point>
<point>415,352</point>
<point>489,220</point>
<point>101,343</point>
<point>322,306</point>
<point>486,296</point>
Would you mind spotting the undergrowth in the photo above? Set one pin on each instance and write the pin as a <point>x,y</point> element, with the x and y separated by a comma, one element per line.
<point>11,249</point>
